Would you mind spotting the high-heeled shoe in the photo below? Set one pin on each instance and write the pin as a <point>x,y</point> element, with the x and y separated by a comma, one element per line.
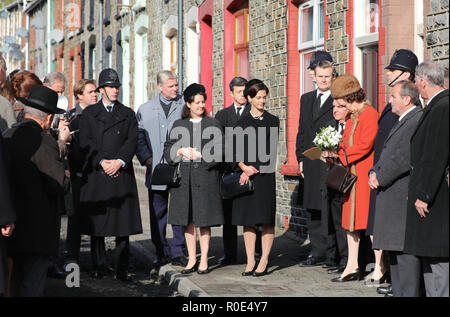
<point>203,271</point>
<point>258,274</point>
<point>376,283</point>
<point>249,273</point>
<point>353,276</point>
<point>191,270</point>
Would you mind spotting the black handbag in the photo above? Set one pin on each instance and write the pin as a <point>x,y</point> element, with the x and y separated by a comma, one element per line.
<point>340,178</point>
<point>166,174</point>
<point>230,186</point>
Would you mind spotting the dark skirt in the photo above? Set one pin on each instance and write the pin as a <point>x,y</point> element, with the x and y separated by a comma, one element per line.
<point>259,207</point>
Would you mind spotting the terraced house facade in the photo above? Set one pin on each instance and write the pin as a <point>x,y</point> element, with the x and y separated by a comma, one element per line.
<point>272,40</point>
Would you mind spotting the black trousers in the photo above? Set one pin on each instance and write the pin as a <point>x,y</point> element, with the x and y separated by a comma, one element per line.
<point>337,249</point>
<point>28,275</point>
<point>73,241</point>
<point>317,238</point>
<point>121,253</point>
<point>229,232</point>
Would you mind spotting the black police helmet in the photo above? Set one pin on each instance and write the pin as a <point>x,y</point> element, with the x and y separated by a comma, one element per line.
<point>108,78</point>
<point>319,56</point>
<point>404,60</point>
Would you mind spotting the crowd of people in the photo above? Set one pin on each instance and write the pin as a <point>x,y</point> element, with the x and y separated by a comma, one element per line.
<point>79,162</point>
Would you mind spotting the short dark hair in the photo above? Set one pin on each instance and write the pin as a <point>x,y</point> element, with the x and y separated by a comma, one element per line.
<point>186,112</point>
<point>237,81</point>
<point>253,90</point>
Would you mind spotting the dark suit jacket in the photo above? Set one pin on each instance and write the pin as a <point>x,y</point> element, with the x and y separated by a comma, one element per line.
<point>315,170</point>
<point>37,180</point>
<point>429,160</point>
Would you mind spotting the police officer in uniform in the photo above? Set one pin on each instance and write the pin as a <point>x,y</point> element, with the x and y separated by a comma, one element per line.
<point>108,140</point>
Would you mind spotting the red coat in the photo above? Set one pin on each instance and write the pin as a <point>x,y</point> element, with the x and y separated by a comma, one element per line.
<point>360,155</point>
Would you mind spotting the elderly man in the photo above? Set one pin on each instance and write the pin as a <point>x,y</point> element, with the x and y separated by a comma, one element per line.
<point>7,117</point>
<point>56,82</point>
<point>155,119</point>
<point>427,219</point>
<point>390,176</point>
<point>37,173</point>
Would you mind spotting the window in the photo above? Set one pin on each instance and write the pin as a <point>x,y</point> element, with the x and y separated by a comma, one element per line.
<point>174,54</point>
<point>306,83</point>
<point>241,39</point>
<point>311,24</point>
<point>370,74</point>
<point>92,62</point>
<point>106,19</point>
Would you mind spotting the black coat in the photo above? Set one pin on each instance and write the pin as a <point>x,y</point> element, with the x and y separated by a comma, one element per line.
<point>197,199</point>
<point>314,170</point>
<point>258,207</point>
<point>7,214</point>
<point>385,123</point>
<point>37,180</point>
<point>429,160</point>
<point>111,204</point>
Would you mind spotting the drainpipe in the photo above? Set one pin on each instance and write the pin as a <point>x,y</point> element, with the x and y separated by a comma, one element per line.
<point>100,24</point>
<point>49,42</point>
<point>180,46</point>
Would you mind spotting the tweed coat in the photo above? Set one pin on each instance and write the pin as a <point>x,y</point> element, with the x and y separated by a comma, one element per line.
<point>197,199</point>
<point>111,205</point>
<point>154,127</point>
<point>360,158</point>
<point>392,171</point>
<point>37,179</point>
<point>429,160</point>
<point>314,170</point>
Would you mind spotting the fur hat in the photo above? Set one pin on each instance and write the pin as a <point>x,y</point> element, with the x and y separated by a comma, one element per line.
<point>344,85</point>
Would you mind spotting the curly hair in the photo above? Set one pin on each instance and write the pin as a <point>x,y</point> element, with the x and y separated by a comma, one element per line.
<point>22,82</point>
<point>358,96</point>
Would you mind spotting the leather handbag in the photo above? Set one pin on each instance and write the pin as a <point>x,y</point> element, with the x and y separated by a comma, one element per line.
<point>166,174</point>
<point>340,178</point>
<point>230,186</point>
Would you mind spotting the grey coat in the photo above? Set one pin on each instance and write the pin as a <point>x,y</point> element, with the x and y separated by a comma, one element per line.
<point>392,170</point>
<point>7,117</point>
<point>197,199</point>
<point>153,130</point>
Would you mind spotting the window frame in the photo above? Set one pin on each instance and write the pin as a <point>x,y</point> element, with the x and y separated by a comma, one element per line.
<point>316,41</point>
<point>243,46</point>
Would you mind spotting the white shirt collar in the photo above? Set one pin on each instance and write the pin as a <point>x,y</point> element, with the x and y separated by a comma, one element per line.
<point>325,95</point>
<point>406,112</point>
<point>105,105</point>
<point>429,100</point>
<point>236,107</point>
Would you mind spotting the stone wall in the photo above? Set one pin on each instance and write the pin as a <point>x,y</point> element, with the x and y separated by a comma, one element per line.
<point>437,31</point>
<point>337,43</point>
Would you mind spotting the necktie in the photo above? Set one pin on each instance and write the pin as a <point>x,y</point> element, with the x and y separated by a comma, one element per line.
<point>319,99</point>
<point>316,106</point>
<point>109,108</point>
<point>238,112</point>
<point>342,128</point>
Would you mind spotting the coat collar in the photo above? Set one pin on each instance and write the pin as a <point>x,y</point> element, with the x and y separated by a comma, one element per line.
<point>402,122</point>
<point>327,106</point>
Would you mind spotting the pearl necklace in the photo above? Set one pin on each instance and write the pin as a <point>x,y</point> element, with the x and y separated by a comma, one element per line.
<point>260,117</point>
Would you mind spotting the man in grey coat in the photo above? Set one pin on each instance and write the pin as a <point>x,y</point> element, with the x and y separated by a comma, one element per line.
<point>155,120</point>
<point>390,175</point>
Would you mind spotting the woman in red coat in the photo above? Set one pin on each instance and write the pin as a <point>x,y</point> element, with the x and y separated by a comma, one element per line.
<point>358,142</point>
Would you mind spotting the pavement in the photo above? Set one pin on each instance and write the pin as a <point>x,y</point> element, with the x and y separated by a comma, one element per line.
<point>284,279</point>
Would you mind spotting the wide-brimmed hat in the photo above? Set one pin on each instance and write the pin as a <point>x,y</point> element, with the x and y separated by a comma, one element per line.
<point>42,98</point>
<point>344,85</point>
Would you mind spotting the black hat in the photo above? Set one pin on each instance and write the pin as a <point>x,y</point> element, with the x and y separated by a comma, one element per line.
<point>319,56</point>
<point>249,84</point>
<point>192,90</point>
<point>108,78</point>
<point>42,98</point>
<point>404,60</point>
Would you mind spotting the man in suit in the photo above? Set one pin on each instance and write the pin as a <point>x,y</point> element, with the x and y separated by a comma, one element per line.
<point>427,218</point>
<point>228,118</point>
<point>316,111</point>
<point>108,140</point>
<point>155,119</point>
<point>401,67</point>
<point>37,174</point>
<point>390,177</point>
<point>85,93</point>
<point>7,219</point>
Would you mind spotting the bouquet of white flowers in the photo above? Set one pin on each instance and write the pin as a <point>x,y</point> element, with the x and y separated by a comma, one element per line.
<point>328,138</point>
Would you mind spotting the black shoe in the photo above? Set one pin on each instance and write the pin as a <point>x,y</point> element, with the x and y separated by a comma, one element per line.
<point>191,270</point>
<point>335,270</point>
<point>180,261</point>
<point>249,273</point>
<point>311,261</point>
<point>161,261</point>
<point>259,274</point>
<point>328,265</point>
<point>123,277</point>
<point>383,290</point>
<point>204,271</point>
<point>389,295</point>
<point>353,276</point>
<point>54,271</point>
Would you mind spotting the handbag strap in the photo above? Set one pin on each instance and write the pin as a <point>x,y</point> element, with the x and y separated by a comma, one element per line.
<point>346,159</point>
